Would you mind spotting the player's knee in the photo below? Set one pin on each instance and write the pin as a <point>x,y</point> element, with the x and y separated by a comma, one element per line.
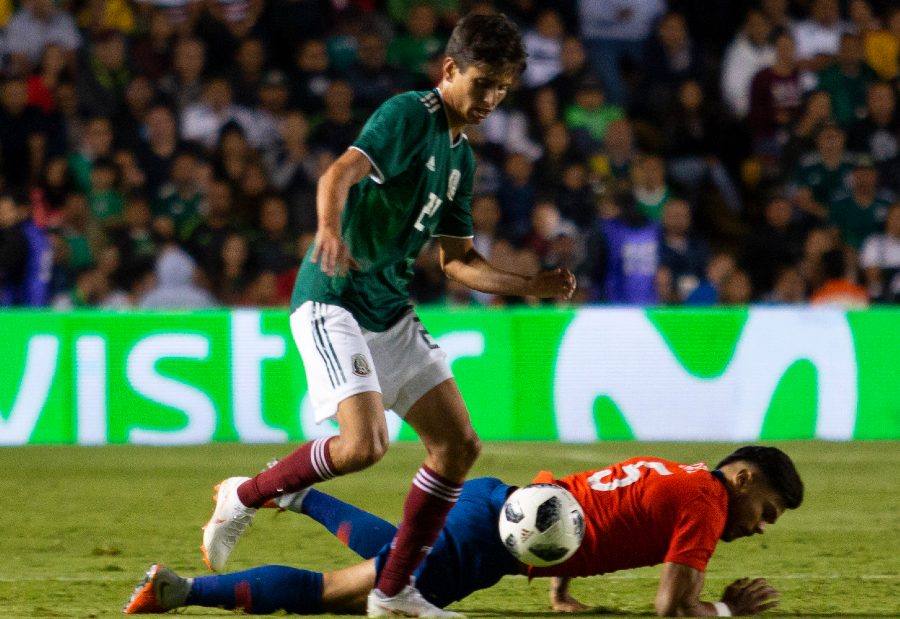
<point>363,452</point>
<point>457,457</point>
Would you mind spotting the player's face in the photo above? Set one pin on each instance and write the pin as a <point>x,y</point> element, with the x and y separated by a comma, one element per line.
<point>473,93</point>
<point>752,507</point>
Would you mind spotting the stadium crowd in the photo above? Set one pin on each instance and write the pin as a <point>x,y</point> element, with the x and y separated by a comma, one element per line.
<point>164,153</point>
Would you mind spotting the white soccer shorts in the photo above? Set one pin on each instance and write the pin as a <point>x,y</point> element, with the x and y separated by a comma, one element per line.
<point>343,359</point>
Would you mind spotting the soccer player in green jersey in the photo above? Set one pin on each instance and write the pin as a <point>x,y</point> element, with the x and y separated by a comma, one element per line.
<point>408,177</point>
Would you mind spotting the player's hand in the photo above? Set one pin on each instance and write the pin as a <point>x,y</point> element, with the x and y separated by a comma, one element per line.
<point>750,597</point>
<point>555,284</point>
<point>567,604</point>
<point>332,252</point>
<point>561,600</point>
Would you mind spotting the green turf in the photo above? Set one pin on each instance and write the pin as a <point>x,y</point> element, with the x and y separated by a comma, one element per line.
<point>81,524</point>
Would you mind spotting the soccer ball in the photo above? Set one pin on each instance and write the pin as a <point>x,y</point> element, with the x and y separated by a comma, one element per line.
<point>541,524</point>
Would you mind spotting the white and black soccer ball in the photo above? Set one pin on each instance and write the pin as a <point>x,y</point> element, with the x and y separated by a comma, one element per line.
<point>541,524</point>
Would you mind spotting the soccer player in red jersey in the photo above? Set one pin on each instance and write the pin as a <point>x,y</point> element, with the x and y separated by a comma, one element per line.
<point>639,512</point>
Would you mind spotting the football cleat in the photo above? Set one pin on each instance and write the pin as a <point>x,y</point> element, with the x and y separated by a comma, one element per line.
<point>408,603</point>
<point>229,521</point>
<point>160,590</point>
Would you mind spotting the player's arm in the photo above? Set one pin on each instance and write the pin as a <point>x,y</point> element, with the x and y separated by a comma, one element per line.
<point>679,595</point>
<point>461,262</point>
<point>331,195</point>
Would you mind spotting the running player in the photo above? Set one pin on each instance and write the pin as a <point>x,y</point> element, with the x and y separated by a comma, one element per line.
<point>643,511</point>
<point>408,177</point>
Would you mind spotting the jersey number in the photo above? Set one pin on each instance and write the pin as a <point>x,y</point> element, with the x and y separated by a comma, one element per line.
<point>599,481</point>
<point>428,210</point>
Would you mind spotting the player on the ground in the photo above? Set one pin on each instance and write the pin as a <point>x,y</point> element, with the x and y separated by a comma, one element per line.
<point>639,512</point>
<point>408,177</point>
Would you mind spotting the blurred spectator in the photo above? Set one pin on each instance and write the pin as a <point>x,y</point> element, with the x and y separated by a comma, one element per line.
<point>236,274</point>
<point>208,236</point>
<point>546,225</point>
<point>862,18</point>
<point>651,192</point>
<point>622,256</point>
<point>882,47</point>
<point>25,256</point>
<point>22,134</point>
<point>847,80</point>
<point>37,24</point>
<point>789,287</point>
<point>507,130</point>
<point>223,25</point>
<point>544,46</point>
<point>181,14</point>
<point>311,76</point>
<point>83,236</point>
<point>247,73</point>
<point>339,125</point>
<point>880,260</point>
<point>878,133</point>
<point>160,145</point>
<point>411,50</point>
<point>183,84</point>
<point>97,142</point>
<point>202,122</point>
<point>574,69</point>
<point>97,15</point>
<point>516,195</point>
<point>133,237</point>
<point>175,282</point>
<point>151,51</point>
<point>104,75</point>
<point>709,290</point>
<point>736,288</point>
<point>130,285</point>
<point>692,141</point>
<point>750,52</point>
<point>273,248</point>
<point>575,196</point>
<point>838,289</point>
<point>683,255</point>
<point>48,195</point>
<point>104,200</point>
<point>824,173</point>
<point>815,114</point>
<point>179,199</point>
<point>671,57</point>
<point>374,81</point>
<point>273,96</point>
<point>773,244</point>
<point>860,210</point>
<point>130,116</point>
<point>44,79</point>
<point>90,288</point>
<point>818,37</point>
<point>614,32</point>
<point>292,169</point>
<point>590,115</point>
<point>778,14</point>
<point>817,242</point>
<point>614,163</point>
<point>775,95</point>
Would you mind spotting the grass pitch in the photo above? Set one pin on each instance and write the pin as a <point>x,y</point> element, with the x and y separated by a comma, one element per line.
<point>80,525</point>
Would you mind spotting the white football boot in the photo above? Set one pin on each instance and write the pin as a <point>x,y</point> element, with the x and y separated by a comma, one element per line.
<point>408,603</point>
<point>229,521</point>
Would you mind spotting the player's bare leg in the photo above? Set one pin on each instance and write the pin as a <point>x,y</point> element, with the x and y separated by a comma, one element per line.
<point>362,442</point>
<point>442,421</point>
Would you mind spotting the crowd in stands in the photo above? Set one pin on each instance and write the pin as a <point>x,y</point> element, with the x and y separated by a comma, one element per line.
<point>164,153</point>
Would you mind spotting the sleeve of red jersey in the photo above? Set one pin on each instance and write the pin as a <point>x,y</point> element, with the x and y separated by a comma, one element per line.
<point>700,524</point>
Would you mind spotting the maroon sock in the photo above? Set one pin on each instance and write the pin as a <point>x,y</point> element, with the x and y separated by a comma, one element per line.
<point>424,513</point>
<point>310,463</point>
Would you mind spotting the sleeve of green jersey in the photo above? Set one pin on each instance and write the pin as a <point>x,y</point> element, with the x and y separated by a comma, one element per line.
<point>394,135</point>
<point>456,219</point>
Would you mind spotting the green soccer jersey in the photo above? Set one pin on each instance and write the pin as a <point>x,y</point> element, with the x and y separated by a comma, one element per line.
<point>420,186</point>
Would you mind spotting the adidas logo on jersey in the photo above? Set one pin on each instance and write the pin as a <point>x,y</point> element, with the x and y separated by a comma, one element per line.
<point>431,101</point>
<point>430,164</point>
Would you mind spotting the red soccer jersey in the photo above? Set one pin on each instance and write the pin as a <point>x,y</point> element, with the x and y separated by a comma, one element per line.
<point>643,511</point>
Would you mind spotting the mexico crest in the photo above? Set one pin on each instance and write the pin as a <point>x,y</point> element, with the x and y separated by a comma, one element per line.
<point>360,365</point>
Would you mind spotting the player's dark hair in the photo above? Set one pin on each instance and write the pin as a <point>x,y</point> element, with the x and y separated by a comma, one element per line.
<point>777,468</point>
<point>491,40</point>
